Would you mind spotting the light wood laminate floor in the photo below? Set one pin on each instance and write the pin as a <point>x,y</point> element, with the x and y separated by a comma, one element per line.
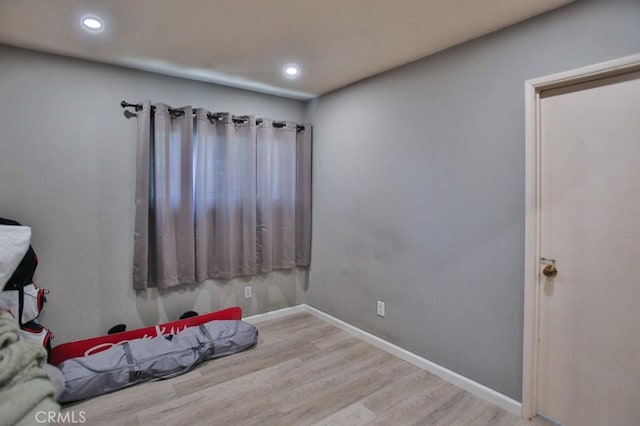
<point>303,371</point>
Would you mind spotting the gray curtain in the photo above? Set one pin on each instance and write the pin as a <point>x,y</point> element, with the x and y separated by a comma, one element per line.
<point>303,196</point>
<point>164,250</point>
<point>218,196</point>
<point>225,196</point>
<point>276,175</point>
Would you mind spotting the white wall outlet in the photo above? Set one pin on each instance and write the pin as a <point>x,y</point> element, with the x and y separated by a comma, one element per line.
<point>380,308</point>
<point>248,291</point>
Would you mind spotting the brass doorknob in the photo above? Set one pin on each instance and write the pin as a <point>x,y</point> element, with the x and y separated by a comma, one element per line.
<point>550,271</point>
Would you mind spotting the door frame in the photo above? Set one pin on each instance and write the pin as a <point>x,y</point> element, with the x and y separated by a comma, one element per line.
<point>533,89</point>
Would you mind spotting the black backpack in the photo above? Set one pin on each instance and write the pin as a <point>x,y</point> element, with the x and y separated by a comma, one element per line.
<point>23,274</point>
<point>21,287</point>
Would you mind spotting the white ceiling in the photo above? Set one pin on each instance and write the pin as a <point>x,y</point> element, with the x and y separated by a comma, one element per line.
<point>246,43</point>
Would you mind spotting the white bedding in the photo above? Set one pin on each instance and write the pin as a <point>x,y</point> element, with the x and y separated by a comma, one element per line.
<point>14,243</point>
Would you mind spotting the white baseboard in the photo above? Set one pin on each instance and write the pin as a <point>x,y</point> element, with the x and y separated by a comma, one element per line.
<point>258,318</point>
<point>481,391</point>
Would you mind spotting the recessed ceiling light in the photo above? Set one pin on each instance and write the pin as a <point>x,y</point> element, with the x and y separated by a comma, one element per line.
<point>92,23</point>
<point>291,71</point>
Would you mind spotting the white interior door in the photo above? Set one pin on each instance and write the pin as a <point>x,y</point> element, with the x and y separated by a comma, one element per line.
<point>589,348</point>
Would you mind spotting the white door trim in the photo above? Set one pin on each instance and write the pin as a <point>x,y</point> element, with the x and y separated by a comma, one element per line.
<point>533,88</point>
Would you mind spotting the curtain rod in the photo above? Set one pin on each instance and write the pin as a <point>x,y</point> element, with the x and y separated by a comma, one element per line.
<point>212,116</point>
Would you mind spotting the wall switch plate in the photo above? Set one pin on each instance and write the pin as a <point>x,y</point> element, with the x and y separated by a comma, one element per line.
<point>380,308</point>
<point>247,291</point>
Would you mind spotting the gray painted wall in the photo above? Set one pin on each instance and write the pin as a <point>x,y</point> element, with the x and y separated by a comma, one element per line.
<point>419,190</point>
<point>67,169</point>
